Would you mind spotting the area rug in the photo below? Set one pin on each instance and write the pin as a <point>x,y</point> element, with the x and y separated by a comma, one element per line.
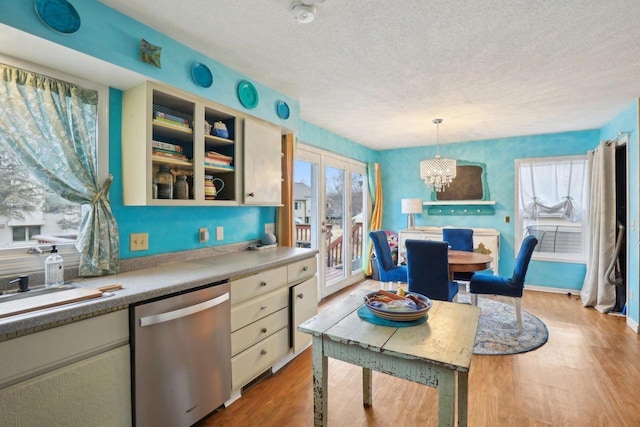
<point>498,330</point>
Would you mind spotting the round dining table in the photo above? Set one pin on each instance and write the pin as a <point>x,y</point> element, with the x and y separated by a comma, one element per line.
<point>463,261</point>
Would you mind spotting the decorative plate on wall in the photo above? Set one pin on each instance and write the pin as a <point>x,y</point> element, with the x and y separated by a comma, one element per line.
<point>283,110</point>
<point>59,15</point>
<point>247,94</point>
<point>201,74</point>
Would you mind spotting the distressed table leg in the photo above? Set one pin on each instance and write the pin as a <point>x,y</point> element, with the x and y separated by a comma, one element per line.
<point>463,395</point>
<point>446,399</point>
<point>320,388</point>
<point>367,387</point>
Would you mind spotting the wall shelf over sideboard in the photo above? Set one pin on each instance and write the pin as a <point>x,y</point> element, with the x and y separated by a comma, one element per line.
<point>460,207</point>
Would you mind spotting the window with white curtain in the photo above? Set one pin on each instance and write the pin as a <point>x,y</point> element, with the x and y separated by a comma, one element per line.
<point>551,204</point>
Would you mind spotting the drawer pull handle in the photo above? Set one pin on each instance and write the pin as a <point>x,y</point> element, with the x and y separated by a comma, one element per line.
<point>300,296</point>
<point>263,330</point>
<point>305,268</point>
<point>263,352</point>
<point>263,283</point>
<point>264,307</point>
<point>251,194</point>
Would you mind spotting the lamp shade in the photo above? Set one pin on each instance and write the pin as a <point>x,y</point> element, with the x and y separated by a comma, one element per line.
<point>411,206</point>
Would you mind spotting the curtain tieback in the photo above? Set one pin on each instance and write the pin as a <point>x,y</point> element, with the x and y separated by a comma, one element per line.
<point>104,190</point>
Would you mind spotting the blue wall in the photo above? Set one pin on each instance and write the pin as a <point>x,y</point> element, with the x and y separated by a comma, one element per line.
<point>401,179</point>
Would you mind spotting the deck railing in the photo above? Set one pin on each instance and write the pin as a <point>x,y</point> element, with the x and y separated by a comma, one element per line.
<point>334,247</point>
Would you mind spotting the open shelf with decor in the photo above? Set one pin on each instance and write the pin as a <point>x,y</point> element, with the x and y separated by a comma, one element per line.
<point>165,128</point>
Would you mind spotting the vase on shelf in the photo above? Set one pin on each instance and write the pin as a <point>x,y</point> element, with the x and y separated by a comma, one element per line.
<point>210,190</point>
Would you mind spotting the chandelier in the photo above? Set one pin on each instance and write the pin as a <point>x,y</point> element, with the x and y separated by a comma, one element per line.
<point>438,172</point>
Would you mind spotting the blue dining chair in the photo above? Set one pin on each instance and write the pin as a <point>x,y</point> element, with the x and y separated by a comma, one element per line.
<point>459,239</point>
<point>428,269</point>
<point>506,286</point>
<point>387,270</point>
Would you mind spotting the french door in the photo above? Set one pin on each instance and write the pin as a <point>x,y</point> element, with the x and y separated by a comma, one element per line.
<point>329,213</point>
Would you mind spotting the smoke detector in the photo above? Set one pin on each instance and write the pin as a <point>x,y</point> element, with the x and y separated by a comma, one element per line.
<point>304,13</point>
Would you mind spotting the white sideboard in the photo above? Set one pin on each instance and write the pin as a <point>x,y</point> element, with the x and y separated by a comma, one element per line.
<point>485,240</point>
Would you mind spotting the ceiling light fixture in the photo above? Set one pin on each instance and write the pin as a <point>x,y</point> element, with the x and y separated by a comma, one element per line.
<point>438,172</point>
<point>304,13</point>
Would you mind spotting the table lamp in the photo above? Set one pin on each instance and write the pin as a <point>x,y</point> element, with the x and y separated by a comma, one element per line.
<point>411,207</point>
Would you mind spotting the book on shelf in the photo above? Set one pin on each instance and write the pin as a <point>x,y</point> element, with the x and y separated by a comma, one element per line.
<point>215,155</point>
<point>162,150</point>
<point>169,155</point>
<point>167,146</point>
<point>168,122</point>
<point>218,165</point>
<point>160,114</point>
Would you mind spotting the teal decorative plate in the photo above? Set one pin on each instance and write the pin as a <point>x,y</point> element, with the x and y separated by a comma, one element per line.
<point>283,110</point>
<point>201,74</point>
<point>59,15</point>
<point>247,94</point>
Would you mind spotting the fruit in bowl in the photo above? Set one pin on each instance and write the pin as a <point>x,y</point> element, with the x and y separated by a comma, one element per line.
<point>392,306</point>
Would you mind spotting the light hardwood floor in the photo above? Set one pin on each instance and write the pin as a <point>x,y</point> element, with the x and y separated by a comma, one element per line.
<point>587,374</point>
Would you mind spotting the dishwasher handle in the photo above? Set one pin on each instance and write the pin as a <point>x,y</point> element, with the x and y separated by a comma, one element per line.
<point>183,312</point>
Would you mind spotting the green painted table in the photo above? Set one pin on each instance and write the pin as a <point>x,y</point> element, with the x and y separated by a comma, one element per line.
<point>436,353</point>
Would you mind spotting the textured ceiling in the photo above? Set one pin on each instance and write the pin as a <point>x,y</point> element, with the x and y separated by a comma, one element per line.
<point>378,72</point>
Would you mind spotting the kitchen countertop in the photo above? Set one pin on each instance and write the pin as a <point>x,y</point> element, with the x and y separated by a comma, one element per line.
<point>152,282</point>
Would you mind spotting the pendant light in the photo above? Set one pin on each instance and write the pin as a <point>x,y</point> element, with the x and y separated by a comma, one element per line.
<point>438,172</point>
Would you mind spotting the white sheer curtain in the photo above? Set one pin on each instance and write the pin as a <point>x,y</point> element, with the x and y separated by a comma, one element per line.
<point>596,291</point>
<point>554,187</point>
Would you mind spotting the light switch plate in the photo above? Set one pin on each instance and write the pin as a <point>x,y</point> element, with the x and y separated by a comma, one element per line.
<point>270,228</point>
<point>203,235</point>
<point>219,233</point>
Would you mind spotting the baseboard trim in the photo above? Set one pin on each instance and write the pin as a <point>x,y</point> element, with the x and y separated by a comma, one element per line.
<point>633,325</point>
<point>564,291</point>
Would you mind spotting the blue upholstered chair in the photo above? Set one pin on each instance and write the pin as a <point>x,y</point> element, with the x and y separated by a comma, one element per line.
<point>387,270</point>
<point>506,286</point>
<point>428,268</point>
<point>459,239</point>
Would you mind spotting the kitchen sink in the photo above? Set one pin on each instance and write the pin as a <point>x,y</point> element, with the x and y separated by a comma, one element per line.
<point>36,291</point>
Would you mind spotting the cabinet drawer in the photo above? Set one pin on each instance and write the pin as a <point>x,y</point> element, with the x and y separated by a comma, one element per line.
<point>257,331</point>
<point>302,269</point>
<point>257,284</point>
<point>257,308</point>
<point>252,362</point>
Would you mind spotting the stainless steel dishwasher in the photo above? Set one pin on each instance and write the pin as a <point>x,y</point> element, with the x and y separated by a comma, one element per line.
<point>181,356</point>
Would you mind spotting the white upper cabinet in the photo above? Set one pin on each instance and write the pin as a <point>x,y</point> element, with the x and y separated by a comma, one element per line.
<point>262,164</point>
<point>200,142</point>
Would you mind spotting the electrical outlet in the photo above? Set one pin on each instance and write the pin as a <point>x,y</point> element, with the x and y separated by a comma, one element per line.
<point>631,299</point>
<point>219,233</point>
<point>270,228</point>
<point>138,242</point>
<point>203,235</point>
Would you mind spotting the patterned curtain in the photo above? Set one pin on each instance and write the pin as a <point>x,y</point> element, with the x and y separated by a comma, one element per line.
<point>51,126</point>
<point>374,178</point>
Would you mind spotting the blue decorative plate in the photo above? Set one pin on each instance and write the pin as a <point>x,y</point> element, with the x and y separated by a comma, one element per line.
<point>283,110</point>
<point>59,15</point>
<point>201,74</point>
<point>247,94</point>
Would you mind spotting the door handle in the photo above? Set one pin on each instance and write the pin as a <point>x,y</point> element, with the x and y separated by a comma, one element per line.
<point>183,312</point>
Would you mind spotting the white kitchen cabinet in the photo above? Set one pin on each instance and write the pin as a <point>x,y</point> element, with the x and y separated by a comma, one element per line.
<point>266,309</point>
<point>72,375</point>
<point>485,240</point>
<point>262,163</point>
<point>153,136</point>
<point>304,305</point>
